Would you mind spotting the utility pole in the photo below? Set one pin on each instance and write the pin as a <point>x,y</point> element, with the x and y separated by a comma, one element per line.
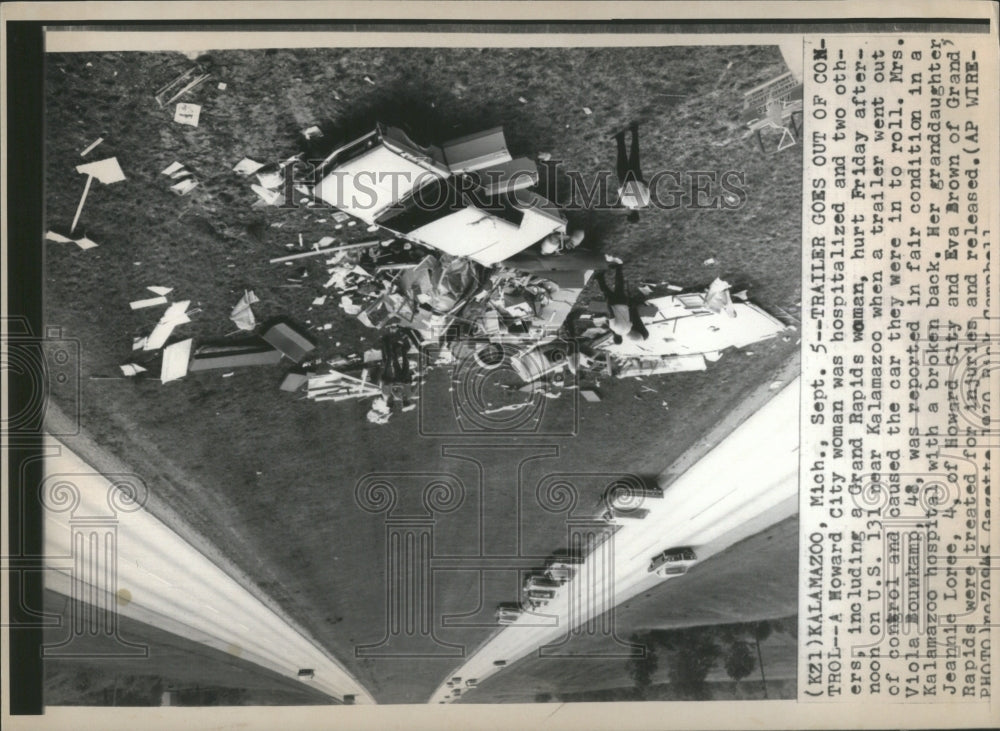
<point>760,662</point>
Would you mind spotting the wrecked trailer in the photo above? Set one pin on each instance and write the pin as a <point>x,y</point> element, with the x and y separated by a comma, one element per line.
<point>384,178</point>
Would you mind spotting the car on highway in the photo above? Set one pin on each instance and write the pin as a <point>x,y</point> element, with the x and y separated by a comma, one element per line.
<point>673,561</point>
<point>508,613</point>
<point>539,597</point>
<point>628,495</point>
<point>562,568</point>
<point>536,581</point>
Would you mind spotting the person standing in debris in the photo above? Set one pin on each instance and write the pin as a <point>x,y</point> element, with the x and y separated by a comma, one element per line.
<point>397,378</point>
<point>402,389</point>
<point>623,315</point>
<point>633,193</point>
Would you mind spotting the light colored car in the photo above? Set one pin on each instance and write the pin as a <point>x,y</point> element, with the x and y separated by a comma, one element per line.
<point>563,568</point>
<point>540,582</point>
<point>508,613</point>
<point>539,597</point>
<point>673,561</point>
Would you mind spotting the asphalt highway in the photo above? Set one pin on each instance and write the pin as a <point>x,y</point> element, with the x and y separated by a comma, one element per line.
<point>116,559</point>
<point>746,483</point>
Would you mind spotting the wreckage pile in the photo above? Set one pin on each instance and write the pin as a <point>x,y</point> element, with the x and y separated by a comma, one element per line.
<point>463,262</point>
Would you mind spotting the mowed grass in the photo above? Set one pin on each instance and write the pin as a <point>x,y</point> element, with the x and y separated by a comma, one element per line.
<point>271,478</point>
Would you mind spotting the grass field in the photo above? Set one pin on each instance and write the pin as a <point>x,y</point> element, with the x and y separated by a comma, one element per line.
<point>270,478</point>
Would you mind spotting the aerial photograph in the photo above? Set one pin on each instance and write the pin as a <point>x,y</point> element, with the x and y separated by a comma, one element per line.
<point>437,375</point>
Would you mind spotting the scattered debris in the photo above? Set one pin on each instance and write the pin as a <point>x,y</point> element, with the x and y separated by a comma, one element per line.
<point>188,114</point>
<point>379,412</point>
<point>175,315</point>
<point>465,283</point>
<point>270,197</point>
<point>252,351</point>
<point>182,84</point>
<point>184,178</point>
<point>348,306</point>
<point>108,171</point>
<point>83,242</point>
<point>685,332</point>
<point>292,343</point>
<point>337,386</point>
<point>327,250</point>
<point>185,186</point>
<point>294,381</point>
<point>247,167</point>
<point>176,358</point>
<point>151,302</point>
<point>242,314</point>
<point>132,369</point>
<point>91,146</point>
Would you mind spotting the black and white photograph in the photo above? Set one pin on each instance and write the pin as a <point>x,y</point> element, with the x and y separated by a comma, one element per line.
<point>391,364</point>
